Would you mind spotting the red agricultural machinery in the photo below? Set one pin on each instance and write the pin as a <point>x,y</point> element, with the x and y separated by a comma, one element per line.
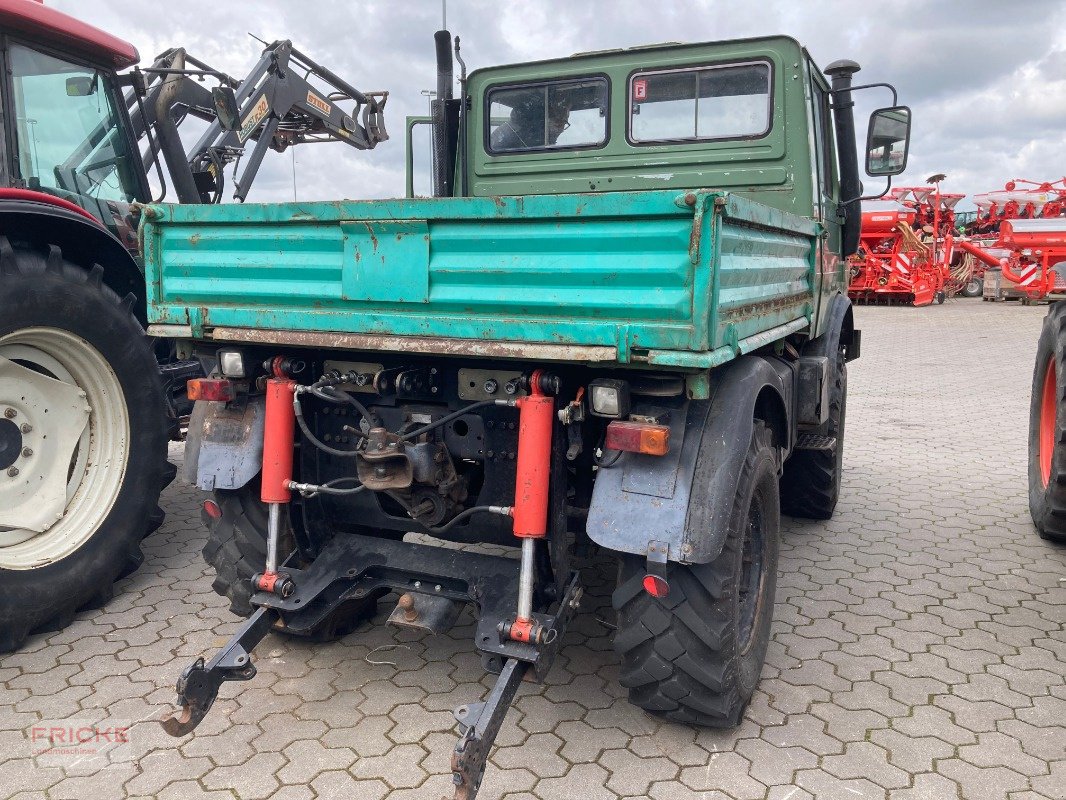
<point>905,253</point>
<point>1030,250</point>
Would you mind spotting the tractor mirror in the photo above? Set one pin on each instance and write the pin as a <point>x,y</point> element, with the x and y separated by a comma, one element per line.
<point>229,115</point>
<point>888,141</point>
<point>81,85</point>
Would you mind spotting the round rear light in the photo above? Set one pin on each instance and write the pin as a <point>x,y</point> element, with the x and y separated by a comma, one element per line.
<point>212,510</point>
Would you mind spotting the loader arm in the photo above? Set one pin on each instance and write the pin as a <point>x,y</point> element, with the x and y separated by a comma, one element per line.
<point>278,106</point>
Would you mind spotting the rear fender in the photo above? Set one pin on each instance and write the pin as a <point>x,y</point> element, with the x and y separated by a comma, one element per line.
<point>683,500</point>
<point>82,240</point>
<point>840,328</point>
<point>224,449</point>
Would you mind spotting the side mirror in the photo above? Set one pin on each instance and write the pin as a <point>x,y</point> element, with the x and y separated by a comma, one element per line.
<point>888,141</point>
<point>229,115</point>
<point>81,85</point>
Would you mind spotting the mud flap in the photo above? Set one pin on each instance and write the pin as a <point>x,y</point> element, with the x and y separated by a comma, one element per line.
<point>632,506</point>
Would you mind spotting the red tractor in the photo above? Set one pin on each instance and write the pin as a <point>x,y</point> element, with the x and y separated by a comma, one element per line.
<point>83,396</point>
<point>1035,248</point>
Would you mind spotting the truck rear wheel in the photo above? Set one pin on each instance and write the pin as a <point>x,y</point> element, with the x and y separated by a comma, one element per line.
<point>82,441</point>
<point>236,548</point>
<point>694,656</point>
<point>810,484</point>
<point>1047,429</point>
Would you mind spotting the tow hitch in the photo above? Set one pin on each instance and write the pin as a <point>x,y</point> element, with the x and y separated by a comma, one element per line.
<point>515,634</point>
<point>199,683</point>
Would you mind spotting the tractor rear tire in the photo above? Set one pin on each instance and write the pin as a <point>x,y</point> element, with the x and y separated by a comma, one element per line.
<point>810,484</point>
<point>68,342</point>
<point>236,548</point>
<point>695,655</point>
<point>1047,428</point>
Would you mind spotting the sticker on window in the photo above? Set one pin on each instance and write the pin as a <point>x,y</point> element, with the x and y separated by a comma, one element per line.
<point>640,90</point>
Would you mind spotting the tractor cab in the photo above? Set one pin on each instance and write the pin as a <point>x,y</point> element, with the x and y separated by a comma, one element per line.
<point>68,133</point>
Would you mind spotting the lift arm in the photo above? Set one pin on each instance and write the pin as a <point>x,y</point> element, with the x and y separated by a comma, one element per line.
<point>277,106</point>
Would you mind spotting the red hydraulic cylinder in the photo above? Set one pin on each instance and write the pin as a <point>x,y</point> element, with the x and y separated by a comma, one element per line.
<point>278,433</point>
<point>536,417</point>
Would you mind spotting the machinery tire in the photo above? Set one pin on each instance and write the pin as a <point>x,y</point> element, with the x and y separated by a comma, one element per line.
<point>810,483</point>
<point>236,548</point>
<point>695,656</point>
<point>1047,428</point>
<point>59,321</point>
<point>940,297</point>
<point>975,287</point>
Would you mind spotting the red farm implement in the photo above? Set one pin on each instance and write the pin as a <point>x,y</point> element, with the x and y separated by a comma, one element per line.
<point>1020,226</point>
<point>906,251</point>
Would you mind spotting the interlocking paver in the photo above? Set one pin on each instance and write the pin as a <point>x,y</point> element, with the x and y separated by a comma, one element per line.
<point>916,652</point>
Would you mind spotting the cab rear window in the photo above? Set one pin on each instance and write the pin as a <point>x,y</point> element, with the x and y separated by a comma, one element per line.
<point>556,115</point>
<point>696,104</point>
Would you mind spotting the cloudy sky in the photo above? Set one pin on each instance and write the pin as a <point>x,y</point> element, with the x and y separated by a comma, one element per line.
<point>986,79</point>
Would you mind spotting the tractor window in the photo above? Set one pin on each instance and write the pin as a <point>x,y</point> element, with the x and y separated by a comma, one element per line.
<point>691,105</point>
<point>69,140</point>
<point>556,116</point>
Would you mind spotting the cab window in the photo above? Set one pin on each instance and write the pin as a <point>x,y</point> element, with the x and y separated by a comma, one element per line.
<point>70,142</point>
<point>556,115</point>
<point>700,103</point>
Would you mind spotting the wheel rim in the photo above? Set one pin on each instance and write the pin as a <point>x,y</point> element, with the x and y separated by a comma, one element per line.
<point>70,443</point>
<point>1048,409</point>
<point>750,583</point>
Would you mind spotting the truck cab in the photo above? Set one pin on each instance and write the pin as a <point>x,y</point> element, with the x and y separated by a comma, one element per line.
<point>753,117</point>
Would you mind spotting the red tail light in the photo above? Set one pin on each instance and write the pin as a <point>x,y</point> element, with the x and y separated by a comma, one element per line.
<point>212,510</point>
<point>211,389</point>
<point>656,586</point>
<point>638,437</point>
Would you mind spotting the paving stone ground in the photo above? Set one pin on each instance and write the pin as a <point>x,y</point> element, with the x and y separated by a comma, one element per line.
<point>917,649</point>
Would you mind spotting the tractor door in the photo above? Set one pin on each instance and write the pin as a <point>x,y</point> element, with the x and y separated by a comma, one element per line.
<point>827,193</point>
<point>67,135</point>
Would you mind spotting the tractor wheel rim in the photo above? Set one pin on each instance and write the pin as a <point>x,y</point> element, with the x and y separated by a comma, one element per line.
<point>750,580</point>
<point>72,454</point>
<point>1048,414</point>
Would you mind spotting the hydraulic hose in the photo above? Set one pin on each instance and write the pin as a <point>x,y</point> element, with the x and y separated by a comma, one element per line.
<point>314,439</point>
<point>333,395</point>
<point>454,415</point>
<point>462,515</point>
<point>329,487</point>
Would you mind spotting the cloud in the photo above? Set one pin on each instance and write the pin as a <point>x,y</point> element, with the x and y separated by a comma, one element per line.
<point>987,87</point>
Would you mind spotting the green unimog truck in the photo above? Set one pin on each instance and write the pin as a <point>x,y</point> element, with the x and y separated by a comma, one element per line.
<point>621,322</point>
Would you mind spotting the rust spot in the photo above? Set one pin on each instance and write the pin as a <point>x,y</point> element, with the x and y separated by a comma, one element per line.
<point>373,237</point>
<point>194,239</point>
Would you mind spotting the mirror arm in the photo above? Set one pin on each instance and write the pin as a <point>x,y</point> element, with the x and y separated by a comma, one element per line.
<point>888,86</point>
<point>888,187</point>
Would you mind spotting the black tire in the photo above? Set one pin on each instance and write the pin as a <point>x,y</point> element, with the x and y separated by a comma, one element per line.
<point>940,297</point>
<point>810,484</point>
<point>1047,415</point>
<point>975,287</point>
<point>236,548</point>
<point>695,655</point>
<point>41,289</point>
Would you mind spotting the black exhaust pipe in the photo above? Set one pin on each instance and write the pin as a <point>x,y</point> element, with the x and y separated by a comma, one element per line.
<point>841,72</point>
<point>445,118</point>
